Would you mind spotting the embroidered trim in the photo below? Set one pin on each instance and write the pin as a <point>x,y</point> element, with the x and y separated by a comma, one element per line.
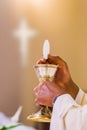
<point>82,101</point>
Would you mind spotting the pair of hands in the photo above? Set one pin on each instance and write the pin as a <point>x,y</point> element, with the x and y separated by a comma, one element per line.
<point>62,83</point>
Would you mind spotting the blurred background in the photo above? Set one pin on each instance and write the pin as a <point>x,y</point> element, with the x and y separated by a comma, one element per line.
<point>63,23</point>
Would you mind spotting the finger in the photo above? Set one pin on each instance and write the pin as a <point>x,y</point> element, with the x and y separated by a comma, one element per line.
<point>37,89</point>
<point>56,60</point>
<point>39,100</point>
<point>41,61</point>
<point>36,102</point>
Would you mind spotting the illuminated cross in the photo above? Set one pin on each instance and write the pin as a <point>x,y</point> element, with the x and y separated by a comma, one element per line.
<point>24,34</point>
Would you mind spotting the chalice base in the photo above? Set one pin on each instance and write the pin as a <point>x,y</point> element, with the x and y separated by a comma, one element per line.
<point>43,115</point>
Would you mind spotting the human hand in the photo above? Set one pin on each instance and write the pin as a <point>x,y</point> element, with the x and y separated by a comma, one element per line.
<point>62,81</point>
<point>62,75</point>
<point>45,93</point>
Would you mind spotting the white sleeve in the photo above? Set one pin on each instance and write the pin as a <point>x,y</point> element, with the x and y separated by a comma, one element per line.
<point>68,115</point>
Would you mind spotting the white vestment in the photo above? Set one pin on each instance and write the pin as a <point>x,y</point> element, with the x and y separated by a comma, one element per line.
<point>70,114</point>
<point>6,121</point>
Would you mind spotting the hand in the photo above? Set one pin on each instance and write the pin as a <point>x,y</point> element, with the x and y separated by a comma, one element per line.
<point>62,75</point>
<point>46,91</point>
<point>62,79</point>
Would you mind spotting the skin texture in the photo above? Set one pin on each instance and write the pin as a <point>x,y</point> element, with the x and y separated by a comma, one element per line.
<point>46,91</point>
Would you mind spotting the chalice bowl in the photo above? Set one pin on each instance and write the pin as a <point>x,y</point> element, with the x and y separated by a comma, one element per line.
<point>45,72</point>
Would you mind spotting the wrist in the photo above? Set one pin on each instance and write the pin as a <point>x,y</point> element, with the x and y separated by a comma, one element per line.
<point>73,89</point>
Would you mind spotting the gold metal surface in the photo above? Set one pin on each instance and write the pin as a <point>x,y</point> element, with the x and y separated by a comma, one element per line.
<point>43,115</point>
<point>44,72</point>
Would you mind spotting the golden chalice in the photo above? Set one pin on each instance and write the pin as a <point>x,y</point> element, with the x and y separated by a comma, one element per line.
<point>44,72</point>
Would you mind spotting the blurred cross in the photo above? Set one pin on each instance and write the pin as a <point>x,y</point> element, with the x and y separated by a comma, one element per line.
<point>24,34</point>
